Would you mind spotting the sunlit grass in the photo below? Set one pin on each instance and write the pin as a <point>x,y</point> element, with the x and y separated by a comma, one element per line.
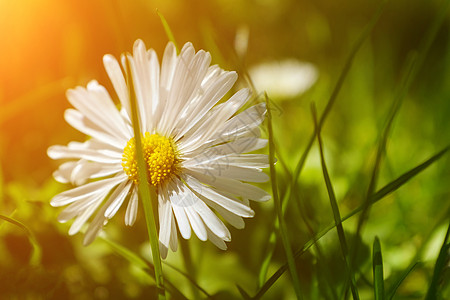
<point>359,193</point>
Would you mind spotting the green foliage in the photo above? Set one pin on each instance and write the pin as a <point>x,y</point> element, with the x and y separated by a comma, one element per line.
<point>377,261</point>
<point>373,164</point>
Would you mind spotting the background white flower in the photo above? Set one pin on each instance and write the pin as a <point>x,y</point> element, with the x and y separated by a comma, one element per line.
<point>193,147</point>
<point>285,78</point>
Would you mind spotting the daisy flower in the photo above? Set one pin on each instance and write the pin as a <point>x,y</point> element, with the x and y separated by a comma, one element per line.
<point>193,147</point>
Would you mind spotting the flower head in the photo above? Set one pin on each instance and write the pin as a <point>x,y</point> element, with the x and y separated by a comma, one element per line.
<point>193,147</point>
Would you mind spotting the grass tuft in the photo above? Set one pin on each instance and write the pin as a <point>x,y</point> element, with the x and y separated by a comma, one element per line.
<point>335,209</point>
<point>278,208</point>
<point>36,255</point>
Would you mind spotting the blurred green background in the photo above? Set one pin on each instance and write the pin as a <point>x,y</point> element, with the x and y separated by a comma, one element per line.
<point>49,46</point>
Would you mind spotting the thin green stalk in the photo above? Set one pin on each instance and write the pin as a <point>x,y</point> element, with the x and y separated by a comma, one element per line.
<point>147,193</point>
<point>190,269</point>
<point>188,277</point>
<point>377,263</point>
<point>287,195</point>
<point>270,248</point>
<point>277,203</point>
<point>383,192</point>
<point>336,91</point>
<point>397,283</point>
<point>415,62</point>
<point>320,256</point>
<point>146,266</point>
<point>439,268</point>
<point>380,151</point>
<point>335,209</point>
<point>35,258</point>
<point>33,98</point>
<point>167,29</point>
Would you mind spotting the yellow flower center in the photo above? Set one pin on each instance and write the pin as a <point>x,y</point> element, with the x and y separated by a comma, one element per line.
<point>159,155</point>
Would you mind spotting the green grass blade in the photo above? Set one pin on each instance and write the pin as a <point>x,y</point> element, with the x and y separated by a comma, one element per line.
<point>35,258</point>
<point>268,284</point>
<point>367,30</point>
<point>243,293</point>
<point>287,195</point>
<point>383,192</point>
<point>267,258</point>
<point>186,275</point>
<point>167,29</point>
<point>439,268</point>
<point>130,256</point>
<point>189,266</point>
<point>143,264</point>
<point>278,208</point>
<point>415,62</point>
<point>147,193</point>
<point>273,237</point>
<point>397,183</point>
<point>378,280</point>
<point>34,98</point>
<point>380,151</point>
<point>335,209</point>
<point>393,289</point>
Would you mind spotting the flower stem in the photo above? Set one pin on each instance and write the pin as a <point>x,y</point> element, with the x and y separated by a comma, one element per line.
<point>147,193</point>
<point>277,203</point>
<point>189,266</point>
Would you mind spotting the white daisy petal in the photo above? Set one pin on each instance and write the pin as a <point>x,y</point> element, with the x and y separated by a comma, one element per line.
<point>216,116</point>
<point>82,218</point>
<point>196,223</point>
<point>213,94</point>
<point>139,74</point>
<point>183,221</point>
<point>207,158</point>
<point>116,76</point>
<point>232,186</point>
<point>250,160</point>
<point>191,201</point>
<point>165,223</point>
<point>173,236</point>
<point>95,103</point>
<point>235,220</point>
<point>63,174</point>
<point>119,195</point>
<point>181,78</point>
<point>132,208</point>
<point>238,146</point>
<point>212,221</point>
<point>231,204</point>
<point>77,208</point>
<point>97,224</point>
<point>169,62</point>
<point>203,99</point>
<point>240,124</point>
<point>85,170</point>
<point>176,199</point>
<point>78,121</point>
<point>61,152</point>
<point>219,242</point>
<point>224,169</point>
<point>84,191</point>
<point>78,172</point>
